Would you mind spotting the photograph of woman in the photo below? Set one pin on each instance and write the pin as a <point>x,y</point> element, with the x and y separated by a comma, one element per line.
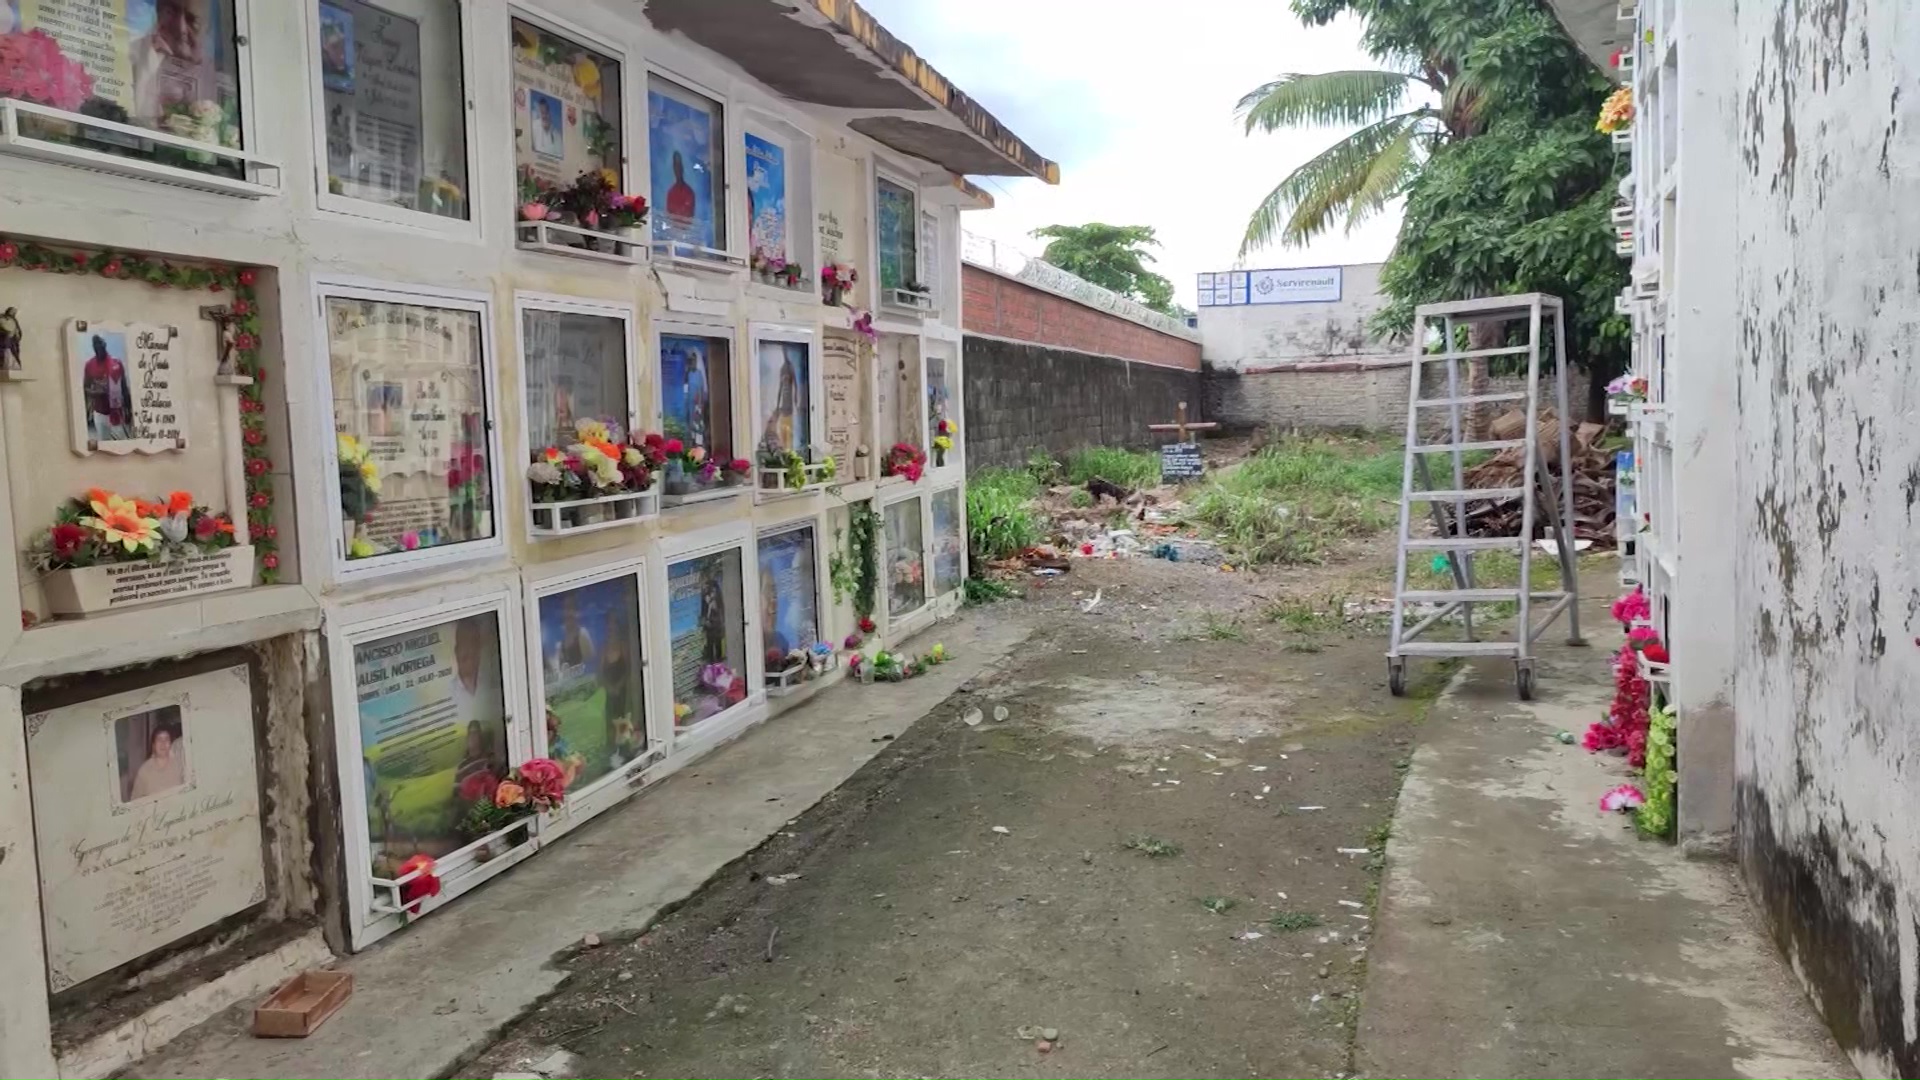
<point>152,756</point>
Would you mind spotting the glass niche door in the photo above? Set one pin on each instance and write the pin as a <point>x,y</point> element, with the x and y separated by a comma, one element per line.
<point>707,638</point>
<point>437,723</point>
<point>904,565</point>
<point>588,677</point>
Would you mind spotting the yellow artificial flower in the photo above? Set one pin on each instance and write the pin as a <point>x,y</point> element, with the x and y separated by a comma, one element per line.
<point>118,520</point>
<point>370,475</point>
<point>360,548</point>
<point>941,442</point>
<point>631,457</point>
<point>592,431</point>
<point>586,75</point>
<point>612,178</point>
<point>351,452</point>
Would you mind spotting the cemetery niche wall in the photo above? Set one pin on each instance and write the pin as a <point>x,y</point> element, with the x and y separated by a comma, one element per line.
<point>132,399</point>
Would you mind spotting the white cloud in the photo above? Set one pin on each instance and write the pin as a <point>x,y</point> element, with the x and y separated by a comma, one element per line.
<point>1135,100</point>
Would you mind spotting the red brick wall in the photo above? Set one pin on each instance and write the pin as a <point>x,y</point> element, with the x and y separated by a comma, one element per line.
<point>1004,308</point>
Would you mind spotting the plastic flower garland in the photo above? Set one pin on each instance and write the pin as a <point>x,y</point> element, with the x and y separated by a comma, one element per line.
<point>240,281</point>
<point>1632,608</point>
<point>1655,817</point>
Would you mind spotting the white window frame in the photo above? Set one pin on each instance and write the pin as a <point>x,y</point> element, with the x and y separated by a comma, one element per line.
<point>797,142</point>
<point>909,622</point>
<point>352,570</point>
<point>361,211</point>
<point>878,170</point>
<point>615,787</point>
<point>730,536</point>
<point>822,610</point>
<point>726,256</point>
<point>684,326</point>
<point>458,871</point>
<point>248,155</point>
<point>816,383</point>
<point>553,24</point>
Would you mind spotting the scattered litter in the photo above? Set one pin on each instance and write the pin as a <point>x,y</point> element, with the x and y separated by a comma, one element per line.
<point>1050,1034</point>
<point>973,718</point>
<point>1357,915</point>
<point>1003,830</point>
<point>1310,808</point>
<point>1623,798</point>
<point>1175,783</point>
<point>591,941</point>
<point>1281,895</point>
<point>1047,571</point>
<point>781,879</point>
<point>1249,935</point>
<point>1079,652</point>
<point>1088,606</point>
<point>1266,789</point>
<point>1317,998</point>
<point>1353,850</point>
<point>1000,713</point>
<point>1565,737</point>
<point>1259,768</point>
<point>1043,1046</point>
<point>1352,904</point>
<point>1210,756</point>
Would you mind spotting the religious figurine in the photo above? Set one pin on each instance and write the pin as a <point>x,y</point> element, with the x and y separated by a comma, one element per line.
<point>228,325</point>
<point>10,340</point>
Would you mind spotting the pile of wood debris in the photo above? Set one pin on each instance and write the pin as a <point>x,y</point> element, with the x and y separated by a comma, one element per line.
<point>1593,481</point>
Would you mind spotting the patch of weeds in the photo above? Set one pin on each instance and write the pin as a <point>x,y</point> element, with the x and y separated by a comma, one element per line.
<point>1218,629</point>
<point>1043,468</point>
<point>1377,836</point>
<point>1219,905</point>
<point>1295,498</point>
<point>989,590</point>
<point>1000,521</point>
<point>1491,570</point>
<point>1287,922</point>
<point>1153,847</point>
<point>1128,468</point>
<point>1303,645</point>
<point>1080,499</point>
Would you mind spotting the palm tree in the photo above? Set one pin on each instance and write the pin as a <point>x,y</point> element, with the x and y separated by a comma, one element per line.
<point>1355,178</point>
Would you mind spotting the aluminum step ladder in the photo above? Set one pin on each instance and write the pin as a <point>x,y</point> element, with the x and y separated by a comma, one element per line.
<point>1449,504</point>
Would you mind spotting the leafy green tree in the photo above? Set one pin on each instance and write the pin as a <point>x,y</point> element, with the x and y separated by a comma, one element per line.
<point>1482,119</point>
<point>1113,257</point>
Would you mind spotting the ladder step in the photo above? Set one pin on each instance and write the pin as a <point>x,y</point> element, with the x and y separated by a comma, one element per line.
<point>1447,596</point>
<point>1459,648</point>
<point>1474,354</point>
<point>1468,494</point>
<point>1465,543</point>
<point>1473,399</point>
<point>1490,444</point>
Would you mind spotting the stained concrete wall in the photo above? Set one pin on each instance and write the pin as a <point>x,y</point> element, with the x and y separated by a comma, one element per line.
<point>1828,453</point>
<point>1252,337</point>
<point>1022,397</point>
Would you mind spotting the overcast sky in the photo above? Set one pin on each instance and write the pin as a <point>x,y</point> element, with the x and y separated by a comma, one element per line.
<point>1135,100</point>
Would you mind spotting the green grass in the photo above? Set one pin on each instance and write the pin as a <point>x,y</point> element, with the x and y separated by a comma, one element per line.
<point>1044,470</point>
<point>1219,905</point>
<point>1128,468</point>
<point>1296,497</point>
<point>1491,570</point>
<point>1288,921</point>
<point>1305,616</point>
<point>988,590</point>
<point>1000,523</point>
<point>1153,847</point>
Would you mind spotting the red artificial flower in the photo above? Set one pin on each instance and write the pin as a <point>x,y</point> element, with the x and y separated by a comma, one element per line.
<point>241,307</point>
<point>205,528</point>
<point>255,437</point>
<point>653,439</point>
<point>478,786</point>
<point>9,252</point>
<point>258,501</point>
<point>179,502</point>
<point>272,533</point>
<point>674,446</point>
<point>246,277</point>
<point>544,780</point>
<point>67,538</point>
<point>866,624</point>
<point>112,269</point>
<point>243,341</point>
<point>257,532</point>
<point>270,561</point>
<point>1655,653</point>
<point>424,885</point>
<point>257,466</point>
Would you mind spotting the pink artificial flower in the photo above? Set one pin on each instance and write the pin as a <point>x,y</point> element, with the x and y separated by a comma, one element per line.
<point>1632,608</point>
<point>409,541</point>
<point>533,211</point>
<point>1624,797</point>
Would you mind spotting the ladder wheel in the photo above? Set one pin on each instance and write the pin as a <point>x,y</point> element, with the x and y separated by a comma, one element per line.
<point>1397,677</point>
<point>1523,681</point>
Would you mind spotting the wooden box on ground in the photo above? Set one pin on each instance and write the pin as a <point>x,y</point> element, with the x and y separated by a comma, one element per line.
<point>302,1004</point>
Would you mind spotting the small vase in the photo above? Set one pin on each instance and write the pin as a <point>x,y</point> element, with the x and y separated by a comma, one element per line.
<point>625,509</point>
<point>939,458</point>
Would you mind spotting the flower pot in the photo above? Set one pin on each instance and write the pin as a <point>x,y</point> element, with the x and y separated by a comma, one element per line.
<point>625,509</point>
<point>90,590</point>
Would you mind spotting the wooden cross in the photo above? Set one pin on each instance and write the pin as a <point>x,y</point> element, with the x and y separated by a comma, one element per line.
<point>1181,426</point>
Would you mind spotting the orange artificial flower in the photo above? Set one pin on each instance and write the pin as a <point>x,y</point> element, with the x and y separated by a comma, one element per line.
<point>509,794</point>
<point>179,502</point>
<point>100,497</point>
<point>553,454</point>
<point>225,526</point>
<point>606,448</point>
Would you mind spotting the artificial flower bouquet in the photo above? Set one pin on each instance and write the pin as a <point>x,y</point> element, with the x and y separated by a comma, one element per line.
<point>904,459</point>
<point>1627,390</point>
<point>1617,112</point>
<point>943,433</point>
<point>776,269</point>
<point>836,280</point>
<point>790,470</point>
<point>104,527</point>
<point>537,786</point>
<point>598,464</point>
<point>593,201</point>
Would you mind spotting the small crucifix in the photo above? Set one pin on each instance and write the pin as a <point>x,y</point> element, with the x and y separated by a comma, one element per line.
<point>1180,426</point>
<point>227,323</point>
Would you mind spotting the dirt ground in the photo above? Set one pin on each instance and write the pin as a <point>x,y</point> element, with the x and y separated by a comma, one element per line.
<point>1164,857</point>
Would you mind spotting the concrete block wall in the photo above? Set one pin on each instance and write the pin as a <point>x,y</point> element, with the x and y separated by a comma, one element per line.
<point>1023,397</point>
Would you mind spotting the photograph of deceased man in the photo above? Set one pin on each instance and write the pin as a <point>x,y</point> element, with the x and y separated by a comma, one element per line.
<point>151,751</point>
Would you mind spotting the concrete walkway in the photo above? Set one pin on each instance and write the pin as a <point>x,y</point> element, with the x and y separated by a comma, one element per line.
<point>426,999</point>
<point>1522,932</point>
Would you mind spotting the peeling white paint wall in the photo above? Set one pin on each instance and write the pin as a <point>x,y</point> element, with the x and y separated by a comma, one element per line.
<point>1827,272</point>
